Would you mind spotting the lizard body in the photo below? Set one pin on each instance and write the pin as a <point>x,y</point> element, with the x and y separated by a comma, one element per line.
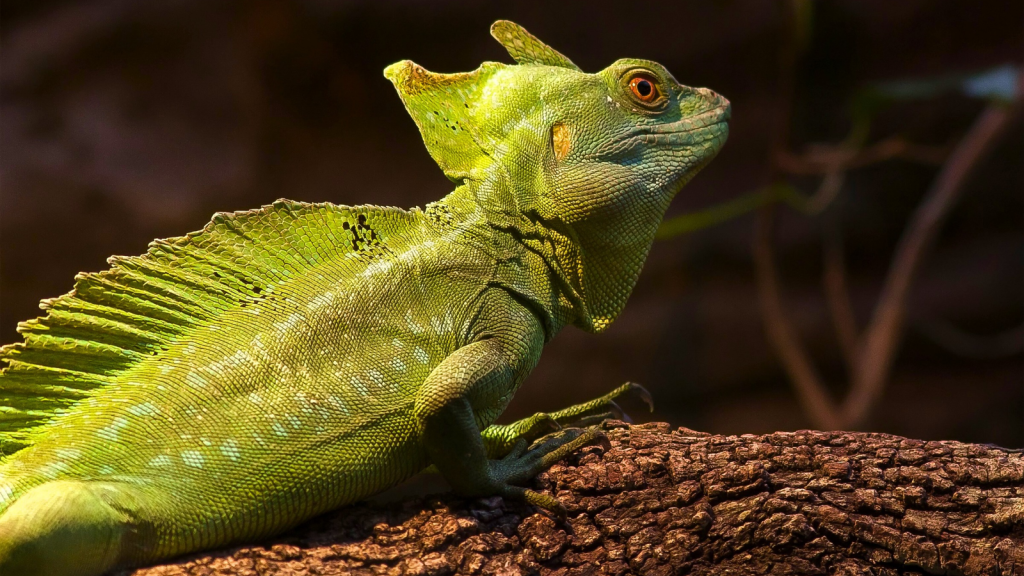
<point>286,361</point>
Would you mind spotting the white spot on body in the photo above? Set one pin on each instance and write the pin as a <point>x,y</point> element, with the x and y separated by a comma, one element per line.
<point>230,449</point>
<point>359,386</point>
<point>291,321</point>
<point>379,266</point>
<point>339,404</point>
<point>113,431</point>
<point>398,364</point>
<point>421,355</point>
<point>411,322</point>
<point>69,453</point>
<point>279,429</point>
<point>161,460</point>
<point>255,398</point>
<point>195,380</point>
<point>6,492</point>
<point>192,458</point>
<point>144,409</point>
<point>53,469</point>
<point>320,301</point>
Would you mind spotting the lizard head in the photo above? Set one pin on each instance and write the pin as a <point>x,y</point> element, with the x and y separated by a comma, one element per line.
<point>592,159</point>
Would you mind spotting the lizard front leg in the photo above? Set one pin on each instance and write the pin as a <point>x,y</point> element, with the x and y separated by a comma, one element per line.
<point>500,439</point>
<point>470,379</point>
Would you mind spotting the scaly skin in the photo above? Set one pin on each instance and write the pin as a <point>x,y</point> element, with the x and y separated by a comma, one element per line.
<point>286,361</point>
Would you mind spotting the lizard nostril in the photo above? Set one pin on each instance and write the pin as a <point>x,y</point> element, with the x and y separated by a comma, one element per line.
<point>713,98</point>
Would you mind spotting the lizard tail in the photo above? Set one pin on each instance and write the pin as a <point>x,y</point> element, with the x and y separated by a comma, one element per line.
<point>61,528</point>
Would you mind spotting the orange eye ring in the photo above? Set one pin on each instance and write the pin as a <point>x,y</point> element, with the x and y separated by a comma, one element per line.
<point>644,88</point>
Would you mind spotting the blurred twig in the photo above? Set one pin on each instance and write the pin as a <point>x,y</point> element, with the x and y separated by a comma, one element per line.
<point>837,295</point>
<point>882,334</point>
<point>831,161</point>
<point>813,397</point>
<point>693,221</point>
<point>810,393</point>
<point>956,341</point>
<point>869,355</point>
<point>823,159</point>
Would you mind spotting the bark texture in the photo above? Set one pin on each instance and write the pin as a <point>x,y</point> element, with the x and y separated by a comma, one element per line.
<point>665,501</point>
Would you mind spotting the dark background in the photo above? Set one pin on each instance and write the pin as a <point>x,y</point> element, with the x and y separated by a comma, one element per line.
<point>124,121</point>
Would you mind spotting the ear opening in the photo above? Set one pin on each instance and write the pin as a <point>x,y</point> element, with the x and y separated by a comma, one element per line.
<point>561,142</point>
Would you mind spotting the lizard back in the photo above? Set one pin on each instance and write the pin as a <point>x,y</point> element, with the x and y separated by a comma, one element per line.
<point>310,324</point>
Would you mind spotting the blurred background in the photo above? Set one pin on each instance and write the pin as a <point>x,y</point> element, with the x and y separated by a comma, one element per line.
<point>124,121</point>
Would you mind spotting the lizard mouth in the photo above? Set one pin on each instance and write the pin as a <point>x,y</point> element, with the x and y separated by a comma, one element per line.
<point>697,122</point>
<point>690,131</point>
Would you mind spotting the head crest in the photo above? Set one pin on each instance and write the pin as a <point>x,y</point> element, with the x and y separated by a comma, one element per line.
<point>525,48</point>
<point>443,105</point>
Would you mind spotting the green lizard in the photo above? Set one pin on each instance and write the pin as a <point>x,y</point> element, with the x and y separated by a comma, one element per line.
<point>286,361</point>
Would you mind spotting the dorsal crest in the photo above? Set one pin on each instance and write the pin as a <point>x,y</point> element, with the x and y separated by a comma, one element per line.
<point>126,319</point>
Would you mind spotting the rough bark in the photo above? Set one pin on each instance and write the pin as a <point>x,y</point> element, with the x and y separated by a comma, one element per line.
<point>665,501</point>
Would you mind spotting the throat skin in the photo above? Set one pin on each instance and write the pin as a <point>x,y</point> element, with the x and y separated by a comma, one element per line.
<point>542,262</point>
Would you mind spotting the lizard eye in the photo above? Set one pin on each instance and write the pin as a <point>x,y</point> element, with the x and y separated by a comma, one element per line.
<point>644,88</point>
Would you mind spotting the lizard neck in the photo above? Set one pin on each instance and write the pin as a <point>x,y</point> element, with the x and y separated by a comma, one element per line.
<point>536,260</point>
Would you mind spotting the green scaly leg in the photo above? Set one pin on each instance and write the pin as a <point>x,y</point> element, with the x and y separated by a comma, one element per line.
<point>501,439</point>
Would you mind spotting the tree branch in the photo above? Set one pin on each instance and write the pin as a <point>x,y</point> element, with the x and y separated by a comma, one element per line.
<point>665,502</point>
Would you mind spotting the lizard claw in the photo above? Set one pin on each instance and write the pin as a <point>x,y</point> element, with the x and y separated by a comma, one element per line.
<point>644,394</point>
<point>617,412</point>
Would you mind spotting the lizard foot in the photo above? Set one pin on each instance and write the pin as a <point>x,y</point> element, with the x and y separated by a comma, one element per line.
<point>522,464</point>
<point>499,439</point>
